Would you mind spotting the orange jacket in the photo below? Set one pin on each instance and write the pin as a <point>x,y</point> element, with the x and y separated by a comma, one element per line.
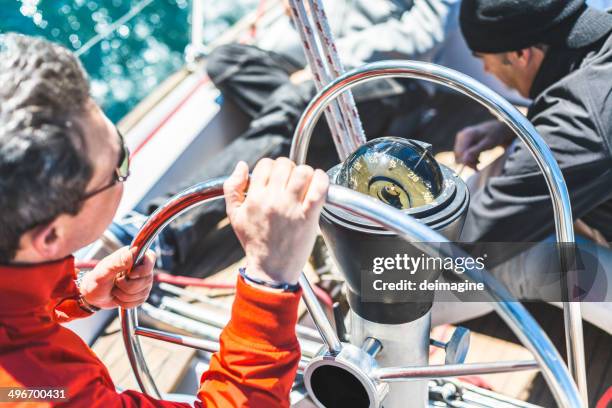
<point>255,367</point>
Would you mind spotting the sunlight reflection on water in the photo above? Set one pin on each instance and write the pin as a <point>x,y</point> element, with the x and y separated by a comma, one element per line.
<point>139,55</point>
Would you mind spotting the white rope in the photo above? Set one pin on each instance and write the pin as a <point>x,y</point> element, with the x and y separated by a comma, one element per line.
<point>347,102</point>
<point>321,76</point>
<point>113,27</point>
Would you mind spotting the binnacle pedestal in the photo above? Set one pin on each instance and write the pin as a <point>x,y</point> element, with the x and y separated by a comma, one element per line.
<point>402,173</point>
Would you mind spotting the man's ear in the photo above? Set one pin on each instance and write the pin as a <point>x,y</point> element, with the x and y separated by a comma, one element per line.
<point>521,58</point>
<point>45,240</point>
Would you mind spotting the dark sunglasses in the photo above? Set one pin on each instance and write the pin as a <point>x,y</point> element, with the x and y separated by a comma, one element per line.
<point>122,171</point>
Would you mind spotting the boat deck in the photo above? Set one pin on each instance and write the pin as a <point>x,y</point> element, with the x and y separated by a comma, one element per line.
<point>597,343</point>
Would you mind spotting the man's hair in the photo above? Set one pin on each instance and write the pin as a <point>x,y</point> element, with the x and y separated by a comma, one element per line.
<point>44,167</point>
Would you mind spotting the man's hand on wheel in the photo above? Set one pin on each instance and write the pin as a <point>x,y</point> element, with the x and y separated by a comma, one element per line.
<point>276,221</point>
<point>115,283</point>
<point>473,140</point>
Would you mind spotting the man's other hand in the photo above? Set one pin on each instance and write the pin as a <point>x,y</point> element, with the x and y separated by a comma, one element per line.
<point>276,222</point>
<point>113,282</point>
<point>473,140</point>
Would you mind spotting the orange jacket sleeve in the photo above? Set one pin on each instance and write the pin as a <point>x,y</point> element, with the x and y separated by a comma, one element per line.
<point>259,352</point>
<point>68,309</point>
<point>255,367</point>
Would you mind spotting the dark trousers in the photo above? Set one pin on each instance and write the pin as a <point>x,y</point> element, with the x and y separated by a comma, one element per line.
<point>258,82</point>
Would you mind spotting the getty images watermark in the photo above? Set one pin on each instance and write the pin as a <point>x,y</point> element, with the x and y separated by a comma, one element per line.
<point>531,271</point>
<point>426,266</point>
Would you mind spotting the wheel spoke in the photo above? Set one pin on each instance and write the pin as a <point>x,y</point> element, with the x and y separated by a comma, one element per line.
<point>188,341</point>
<point>396,374</point>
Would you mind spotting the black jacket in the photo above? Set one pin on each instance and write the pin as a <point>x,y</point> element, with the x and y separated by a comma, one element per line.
<point>572,111</point>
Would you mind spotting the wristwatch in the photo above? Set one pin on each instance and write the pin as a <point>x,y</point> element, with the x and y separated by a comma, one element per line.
<point>83,304</point>
<point>86,306</point>
<point>286,287</point>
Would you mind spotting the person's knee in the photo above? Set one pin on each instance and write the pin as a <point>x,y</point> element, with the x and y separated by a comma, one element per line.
<point>228,58</point>
<point>220,59</point>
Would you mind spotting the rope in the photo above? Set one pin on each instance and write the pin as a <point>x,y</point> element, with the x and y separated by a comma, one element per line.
<point>163,277</point>
<point>261,8</point>
<point>113,27</point>
<point>324,61</point>
<point>191,281</point>
<point>321,77</point>
<point>347,102</point>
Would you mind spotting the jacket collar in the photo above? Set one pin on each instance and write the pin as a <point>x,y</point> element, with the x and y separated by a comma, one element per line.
<point>559,62</point>
<point>26,288</point>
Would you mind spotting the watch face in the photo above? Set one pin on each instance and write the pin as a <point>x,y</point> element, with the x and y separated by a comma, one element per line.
<point>398,172</point>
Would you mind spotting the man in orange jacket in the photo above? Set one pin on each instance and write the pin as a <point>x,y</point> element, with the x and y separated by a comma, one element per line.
<point>62,164</point>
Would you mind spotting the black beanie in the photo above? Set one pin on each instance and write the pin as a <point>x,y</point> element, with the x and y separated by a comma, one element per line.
<point>495,26</point>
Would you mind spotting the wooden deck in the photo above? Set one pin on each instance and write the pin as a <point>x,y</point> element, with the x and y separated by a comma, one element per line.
<point>168,362</point>
<point>598,347</point>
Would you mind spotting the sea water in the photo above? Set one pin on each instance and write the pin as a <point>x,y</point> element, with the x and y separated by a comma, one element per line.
<point>128,64</point>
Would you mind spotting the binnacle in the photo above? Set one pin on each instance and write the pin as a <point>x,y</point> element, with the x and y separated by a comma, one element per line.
<point>396,171</point>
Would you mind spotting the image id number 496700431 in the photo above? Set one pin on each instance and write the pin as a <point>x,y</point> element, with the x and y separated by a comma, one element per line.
<point>21,394</point>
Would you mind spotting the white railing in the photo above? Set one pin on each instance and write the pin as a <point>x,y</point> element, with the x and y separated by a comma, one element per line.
<point>196,48</point>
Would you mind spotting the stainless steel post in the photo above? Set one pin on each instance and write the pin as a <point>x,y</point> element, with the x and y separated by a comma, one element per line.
<point>405,344</point>
<point>505,112</point>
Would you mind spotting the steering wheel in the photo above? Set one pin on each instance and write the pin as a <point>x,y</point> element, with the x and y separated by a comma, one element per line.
<point>523,325</point>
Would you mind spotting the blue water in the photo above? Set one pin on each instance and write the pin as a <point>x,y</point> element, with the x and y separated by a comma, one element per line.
<point>128,64</point>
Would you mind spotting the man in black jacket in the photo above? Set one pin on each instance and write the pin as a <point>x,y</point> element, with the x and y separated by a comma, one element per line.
<point>559,54</point>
